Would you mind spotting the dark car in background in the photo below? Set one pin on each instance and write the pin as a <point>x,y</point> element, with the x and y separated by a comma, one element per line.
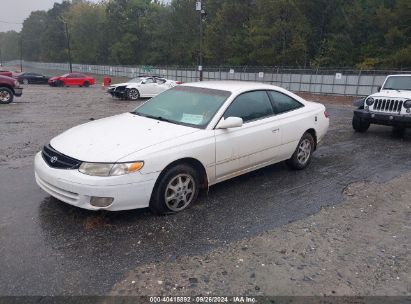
<point>32,78</point>
<point>9,87</point>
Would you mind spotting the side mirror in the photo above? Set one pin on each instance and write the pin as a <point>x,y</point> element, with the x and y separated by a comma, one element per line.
<point>230,122</point>
<point>379,88</point>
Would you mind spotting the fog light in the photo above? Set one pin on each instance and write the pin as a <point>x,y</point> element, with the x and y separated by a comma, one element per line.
<point>101,201</point>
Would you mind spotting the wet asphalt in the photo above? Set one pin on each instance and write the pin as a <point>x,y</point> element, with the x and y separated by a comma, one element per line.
<point>50,248</point>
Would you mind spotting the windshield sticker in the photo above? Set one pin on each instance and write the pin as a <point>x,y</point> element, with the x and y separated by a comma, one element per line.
<point>193,119</point>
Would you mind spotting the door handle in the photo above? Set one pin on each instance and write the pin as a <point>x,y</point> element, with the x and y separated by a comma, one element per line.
<point>275,130</point>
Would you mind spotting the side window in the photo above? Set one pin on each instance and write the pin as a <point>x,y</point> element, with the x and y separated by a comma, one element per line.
<point>250,106</point>
<point>160,81</point>
<point>149,80</point>
<point>283,103</point>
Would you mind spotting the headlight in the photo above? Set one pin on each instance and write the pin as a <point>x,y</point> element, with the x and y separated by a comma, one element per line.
<point>101,169</point>
<point>407,104</point>
<point>369,101</point>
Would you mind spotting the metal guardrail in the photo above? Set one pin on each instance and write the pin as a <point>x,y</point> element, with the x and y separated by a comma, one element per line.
<point>317,81</point>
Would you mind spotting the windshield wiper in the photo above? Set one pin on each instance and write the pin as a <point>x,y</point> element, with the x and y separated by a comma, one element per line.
<point>154,117</point>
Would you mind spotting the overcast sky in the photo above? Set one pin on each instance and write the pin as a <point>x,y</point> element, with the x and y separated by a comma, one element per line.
<point>15,11</point>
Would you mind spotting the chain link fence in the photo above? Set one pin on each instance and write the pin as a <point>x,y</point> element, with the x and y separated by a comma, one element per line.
<point>317,81</point>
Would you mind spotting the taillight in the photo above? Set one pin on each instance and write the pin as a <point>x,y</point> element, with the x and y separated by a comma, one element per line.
<point>326,114</point>
<point>179,82</point>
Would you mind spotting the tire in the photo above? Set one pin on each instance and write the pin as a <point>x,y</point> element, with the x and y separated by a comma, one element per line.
<point>6,95</point>
<point>86,84</point>
<point>181,184</point>
<point>133,94</point>
<point>360,125</point>
<point>303,153</point>
<point>398,131</point>
<point>25,81</point>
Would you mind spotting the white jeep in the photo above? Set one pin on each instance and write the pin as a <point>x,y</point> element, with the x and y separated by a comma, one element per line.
<point>390,106</point>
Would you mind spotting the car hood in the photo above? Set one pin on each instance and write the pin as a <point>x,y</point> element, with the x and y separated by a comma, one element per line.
<point>112,138</point>
<point>392,94</point>
<point>122,84</point>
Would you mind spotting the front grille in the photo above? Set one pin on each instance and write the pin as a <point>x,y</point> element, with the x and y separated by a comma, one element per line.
<point>58,160</point>
<point>388,105</point>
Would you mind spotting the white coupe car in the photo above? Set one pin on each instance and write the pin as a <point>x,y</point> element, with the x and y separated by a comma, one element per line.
<point>141,87</point>
<point>186,139</point>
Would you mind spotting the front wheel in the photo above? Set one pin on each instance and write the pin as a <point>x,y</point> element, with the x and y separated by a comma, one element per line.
<point>133,94</point>
<point>6,96</point>
<point>303,153</point>
<point>360,125</point>
<point>86,84</point>
<point>175,190</point>
<point>25,81</point>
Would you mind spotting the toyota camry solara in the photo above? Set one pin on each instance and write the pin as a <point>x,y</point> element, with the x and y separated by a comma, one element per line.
<point>177,143</point>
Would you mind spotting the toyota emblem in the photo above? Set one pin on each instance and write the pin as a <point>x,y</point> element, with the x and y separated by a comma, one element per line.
<point>53,159</point>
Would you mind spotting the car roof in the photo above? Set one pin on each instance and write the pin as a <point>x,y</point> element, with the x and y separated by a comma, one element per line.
<point>397,75</point>
<point>232,85</point>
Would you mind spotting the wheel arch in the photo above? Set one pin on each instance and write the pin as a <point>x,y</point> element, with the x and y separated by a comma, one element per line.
<point>7,87</point>
<point>195,163</point>
<point>314,135</point>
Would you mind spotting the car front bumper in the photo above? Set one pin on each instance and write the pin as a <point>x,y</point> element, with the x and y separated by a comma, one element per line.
<point>122,93</point>
<point>77,189</point>
<point>18,92</point>
<point>386,119</point>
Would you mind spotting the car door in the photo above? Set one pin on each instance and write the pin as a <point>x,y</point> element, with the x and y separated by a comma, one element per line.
<point>149,87</point>
<point>255,143</point>
<point>69,80</point>
<point>160,86</point>
<point>36,78</point>
<point>293,118</point>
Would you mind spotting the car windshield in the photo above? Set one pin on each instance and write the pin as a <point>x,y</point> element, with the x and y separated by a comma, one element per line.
<point>398,83</point>
<point>184,105</point>
<point>135,80</point>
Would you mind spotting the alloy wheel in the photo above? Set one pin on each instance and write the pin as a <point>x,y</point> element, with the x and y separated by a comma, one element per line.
<point>179,192</point>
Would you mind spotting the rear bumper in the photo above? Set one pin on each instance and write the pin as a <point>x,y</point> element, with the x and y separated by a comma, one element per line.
<point>18,92</point>
<point>386,119</point>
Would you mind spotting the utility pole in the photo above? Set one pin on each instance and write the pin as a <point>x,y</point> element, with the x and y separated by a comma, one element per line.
<point>68,45</point>
<point>1,59</point>
<point>21,52</point>
<point>200,9</point>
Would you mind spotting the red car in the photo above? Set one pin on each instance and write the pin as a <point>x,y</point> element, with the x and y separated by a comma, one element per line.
<point>71,79</point>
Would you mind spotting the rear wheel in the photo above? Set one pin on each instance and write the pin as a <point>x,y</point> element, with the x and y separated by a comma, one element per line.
<point>6,95</point>
<point>86,84</point>
<point>303,153</point>
<point>25,81</point>
<point>133,94</point>
<point>360,125</point>
<point>175,190</point>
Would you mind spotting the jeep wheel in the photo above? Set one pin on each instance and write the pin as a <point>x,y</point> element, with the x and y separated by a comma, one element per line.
<point>6,95</point>
<point>360,125</point>
<point>398,131</point>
